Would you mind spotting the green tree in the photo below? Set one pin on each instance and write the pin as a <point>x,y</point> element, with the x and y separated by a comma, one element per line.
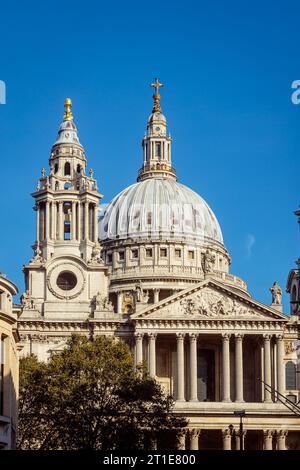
<point>89,396</point>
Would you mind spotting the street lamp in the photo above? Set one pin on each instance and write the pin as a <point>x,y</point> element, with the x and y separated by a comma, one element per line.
<point>241,414</point>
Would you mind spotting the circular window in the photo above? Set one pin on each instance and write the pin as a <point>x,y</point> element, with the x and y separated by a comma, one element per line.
<point>66,280</point>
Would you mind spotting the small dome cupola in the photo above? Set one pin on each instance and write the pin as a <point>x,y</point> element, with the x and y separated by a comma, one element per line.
<point>156,143</point>
<point>67,133</point>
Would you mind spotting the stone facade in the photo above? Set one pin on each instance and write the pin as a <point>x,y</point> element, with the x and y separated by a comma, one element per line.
<point>161,283</point>
<point>9,365</point>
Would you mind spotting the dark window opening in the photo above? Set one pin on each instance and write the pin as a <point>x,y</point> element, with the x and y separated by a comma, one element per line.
<point>290,375</point>
<point>78,169</point>
<point>109,258</point>
<point>67,230</point>
<point>66,280</point>
<point>158,149</point>
<point>56,168</point>
<point>121,256</point>
<point>67,169</point>
<point>149,252</point>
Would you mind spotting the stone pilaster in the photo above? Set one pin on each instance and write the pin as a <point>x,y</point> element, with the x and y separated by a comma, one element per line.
<point>119,301</point>
<point>280,364</point>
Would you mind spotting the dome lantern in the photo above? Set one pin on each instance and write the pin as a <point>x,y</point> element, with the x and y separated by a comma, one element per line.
<point>156,143</point>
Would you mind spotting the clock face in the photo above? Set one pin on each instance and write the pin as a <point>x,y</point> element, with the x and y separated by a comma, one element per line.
<point>157,129</point>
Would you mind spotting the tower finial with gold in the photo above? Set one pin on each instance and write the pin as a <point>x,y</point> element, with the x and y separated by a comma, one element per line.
<point>68,116</point>
<point>156,96</point>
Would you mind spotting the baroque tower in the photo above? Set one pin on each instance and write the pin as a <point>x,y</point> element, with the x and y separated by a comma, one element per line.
<point>66,274</point>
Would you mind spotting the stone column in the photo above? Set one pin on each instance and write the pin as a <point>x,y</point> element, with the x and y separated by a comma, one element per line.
<point>194,439</point>
<point>180,367</point>
<point>61,221</point>
<point>86,220</point>
<point>193,367</point>
<point>47,207</point>
<point>138,348</point>
<point>73,221</point>
<point>95,223</point>
<point>119,301</point>
<point>267,366</point>
<point>281,439</point>
<point>268,438</point>
<point>280,364</point>
<point>37,208</point>
<point>53,219</point>
<point>226,437</point>
<point>226,367</point>
<point>152,354</point>
<point>239,395</point>
<point>181,443</point>
<point>79,221</point>
<point>156,295</point>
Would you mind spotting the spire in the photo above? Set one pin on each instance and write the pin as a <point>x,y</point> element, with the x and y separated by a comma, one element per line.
<point>156,96</point>
<point>156,143</point>
<point>68,116</point>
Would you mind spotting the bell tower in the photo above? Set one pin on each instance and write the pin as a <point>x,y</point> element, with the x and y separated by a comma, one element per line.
<point>66,280</point>
<point>67,199</point>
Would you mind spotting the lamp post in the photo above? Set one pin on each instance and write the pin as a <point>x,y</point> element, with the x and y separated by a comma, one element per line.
<point>241,414</point>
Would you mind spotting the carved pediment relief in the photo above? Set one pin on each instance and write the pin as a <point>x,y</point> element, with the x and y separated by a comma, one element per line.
<point>208,301</point>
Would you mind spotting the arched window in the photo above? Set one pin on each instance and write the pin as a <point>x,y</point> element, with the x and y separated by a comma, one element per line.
<point>56,168</point>
<point>294,305</point>
<point>78,169</point>
<point>290,375</point>
<point>67,169</point>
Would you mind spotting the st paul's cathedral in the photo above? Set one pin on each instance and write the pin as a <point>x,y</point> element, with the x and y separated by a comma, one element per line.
<point>152,269</point>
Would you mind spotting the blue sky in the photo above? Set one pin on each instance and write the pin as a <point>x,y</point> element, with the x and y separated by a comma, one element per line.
<point>227,69</point>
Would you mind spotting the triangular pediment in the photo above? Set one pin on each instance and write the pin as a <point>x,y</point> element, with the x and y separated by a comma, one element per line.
<point>210,299</point>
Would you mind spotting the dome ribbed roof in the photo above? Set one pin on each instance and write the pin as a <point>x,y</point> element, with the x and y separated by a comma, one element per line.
<point>160,208</point>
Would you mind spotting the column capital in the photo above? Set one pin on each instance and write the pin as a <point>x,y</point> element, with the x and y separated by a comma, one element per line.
<point>194,432</point>
<point>226,336</point>
<point>180,336</point>
<point>267,337</point>
<point>282,433</point>
<point>239,336</point>
<point>226,433</point>
<point>268,433</point>
<point>152,336</point>
<point>279,337</point>
<point>193,336</point>
<point>138,335</point>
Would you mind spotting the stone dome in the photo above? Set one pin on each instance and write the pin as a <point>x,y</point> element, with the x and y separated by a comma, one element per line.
<point>160,208</point>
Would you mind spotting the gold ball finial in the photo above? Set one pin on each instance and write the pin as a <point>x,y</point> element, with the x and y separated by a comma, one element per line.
<point>68,116</point>
<point>156,96</point>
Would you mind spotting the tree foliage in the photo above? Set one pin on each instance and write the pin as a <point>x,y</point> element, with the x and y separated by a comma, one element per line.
<point>89,396</point>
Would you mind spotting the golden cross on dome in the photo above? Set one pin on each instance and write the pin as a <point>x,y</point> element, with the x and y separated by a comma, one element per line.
<point>68,116</point>
<point>156,85</point>
<point>156,96</point>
